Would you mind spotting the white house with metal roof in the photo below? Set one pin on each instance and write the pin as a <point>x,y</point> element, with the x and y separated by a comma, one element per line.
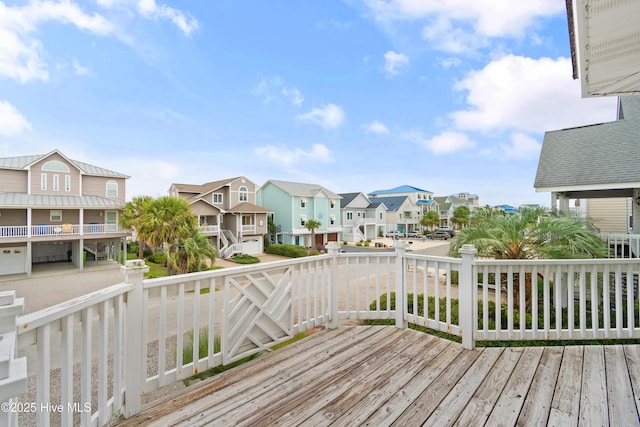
<point>54,209</point>
<point>362,219</point>
<point>595,162</point>
<point>294,203</point>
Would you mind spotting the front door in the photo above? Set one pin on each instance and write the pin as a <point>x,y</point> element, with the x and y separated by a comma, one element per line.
<point>111,221</point>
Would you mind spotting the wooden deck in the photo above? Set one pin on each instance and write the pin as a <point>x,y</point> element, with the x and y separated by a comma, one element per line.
<point>382,376</point>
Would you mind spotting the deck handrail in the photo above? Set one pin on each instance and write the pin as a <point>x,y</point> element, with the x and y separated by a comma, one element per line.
<point>139,333</point>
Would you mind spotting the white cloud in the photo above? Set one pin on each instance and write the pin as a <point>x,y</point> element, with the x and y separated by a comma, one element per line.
<point>375,127</point>
<point>79,69</point>
<point>329,117</point>
<point>521,146</point>
<point>394,62</point>
<point>525,94</point>
<point>294,95</point>
<point>21,54</point>
<point>151,10</point>
<point>287,156</point>
<point>481,19</point>
<point>12,123</point>
<point>445,143</point>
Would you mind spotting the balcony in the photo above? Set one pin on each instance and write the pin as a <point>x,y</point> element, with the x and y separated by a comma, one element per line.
<point>249,228</point>
<point>135,334</point>
<point>23,232</point>
<point>210,230</point>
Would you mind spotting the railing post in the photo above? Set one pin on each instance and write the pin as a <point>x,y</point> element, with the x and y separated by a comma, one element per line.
<point>13,372</point>
<point>135,370</point>
<point>401,297</point>
<point>333,249</point>
<point>467,297</point>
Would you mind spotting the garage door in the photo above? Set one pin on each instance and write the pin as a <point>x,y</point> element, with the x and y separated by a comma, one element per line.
<point>252,246</point>
<point>12,260</point>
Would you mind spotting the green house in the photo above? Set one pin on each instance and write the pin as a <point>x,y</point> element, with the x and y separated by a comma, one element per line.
<point>293,204</point>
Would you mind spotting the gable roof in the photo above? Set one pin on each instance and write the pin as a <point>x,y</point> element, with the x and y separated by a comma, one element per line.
<point>400,189</point>
<point>347,198</point>
<point>25,162</point>
<point>392,203</point>
<point>595,157</point>
<point>246,207</point>
<point>302,189</point>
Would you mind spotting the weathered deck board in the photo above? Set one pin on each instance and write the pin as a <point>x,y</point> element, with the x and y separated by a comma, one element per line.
<point>537,405</point>
<point>382,376</point>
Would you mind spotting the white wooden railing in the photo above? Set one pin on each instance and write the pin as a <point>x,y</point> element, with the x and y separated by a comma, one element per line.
<point>98,355</point>
<point>43,230</point>
<point>623,245</point>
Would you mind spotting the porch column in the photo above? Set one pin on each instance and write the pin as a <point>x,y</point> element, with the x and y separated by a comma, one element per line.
<point>635,224</point>
<point>401,301</point>
<point>333,249</point>
<point>80,255</point>
<point>29,258</point>
<point>135,372</point>
<point>467,297</point>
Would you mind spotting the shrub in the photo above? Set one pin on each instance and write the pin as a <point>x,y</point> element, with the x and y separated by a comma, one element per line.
<point>314,252</point>
<point>288,250</point>
<point>367,243</point>
<point>203,345</point>
<point>359,243</point>
<point>147,252</point>
<point>345,243</point>
<point>133,249</point>
<point>245,259</point>
<point>159,258</point>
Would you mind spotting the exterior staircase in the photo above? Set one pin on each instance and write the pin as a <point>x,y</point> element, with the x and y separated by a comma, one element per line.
<point>230,245</point>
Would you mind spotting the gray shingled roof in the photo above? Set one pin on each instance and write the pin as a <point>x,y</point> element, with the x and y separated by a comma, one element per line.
<point>21,200</point>
<point>22,162</point>
<point>606,153</point>
<point>302,189</point>
<point>346,199</point>
<point>392,203</point>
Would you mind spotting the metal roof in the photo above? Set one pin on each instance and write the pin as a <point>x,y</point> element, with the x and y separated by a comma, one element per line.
<point>24,162</point>
<point>24,200</point>
<point>302,189</point>
<point>401,189</point>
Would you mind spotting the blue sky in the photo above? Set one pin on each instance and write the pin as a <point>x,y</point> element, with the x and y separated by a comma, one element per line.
<point>355,95</point>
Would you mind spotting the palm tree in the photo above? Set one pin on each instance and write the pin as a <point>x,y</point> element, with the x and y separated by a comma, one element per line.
<point>190,254</point>
<point>533,233</point>
<point>461,216</point>
<point>166,220</point>
<point>131,216</point>
<point>312,225</point>
<point>430,219</point>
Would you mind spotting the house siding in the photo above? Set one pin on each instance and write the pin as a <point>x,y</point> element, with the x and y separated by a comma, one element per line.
<point>609,215</point>
<point>36,172</point>
<point>97,186</point>
<point>13,181</point>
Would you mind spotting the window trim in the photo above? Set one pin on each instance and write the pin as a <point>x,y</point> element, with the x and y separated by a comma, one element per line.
<point>303,202</point>
<point>243,194</point>
<point>112,183</point>
<point>43,181</point>
<point>52,218</point>
<point>214,196</point>
<point>67,183</point>
<point>56,182</point>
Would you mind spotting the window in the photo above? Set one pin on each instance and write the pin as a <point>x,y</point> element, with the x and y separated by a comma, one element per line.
<point>303,220</point>
<point>55,165</point>
<point>380,215</point>
<point>216,198</point>
<point>244,194</point>
<point>349,216</point>
<point>332,204</point>
<point>332,219</point>
<point>303,202</point>
<point>43,181</point>
<point>55,215</point>
<point>67,183</point>
<point>112,189</point>
<point>56,182</point>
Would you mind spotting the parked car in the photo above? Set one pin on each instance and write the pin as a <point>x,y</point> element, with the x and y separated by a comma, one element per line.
<point>414,234</point>
<point>449,230</point>
<point>440,234</point>
<point>395,234</point>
